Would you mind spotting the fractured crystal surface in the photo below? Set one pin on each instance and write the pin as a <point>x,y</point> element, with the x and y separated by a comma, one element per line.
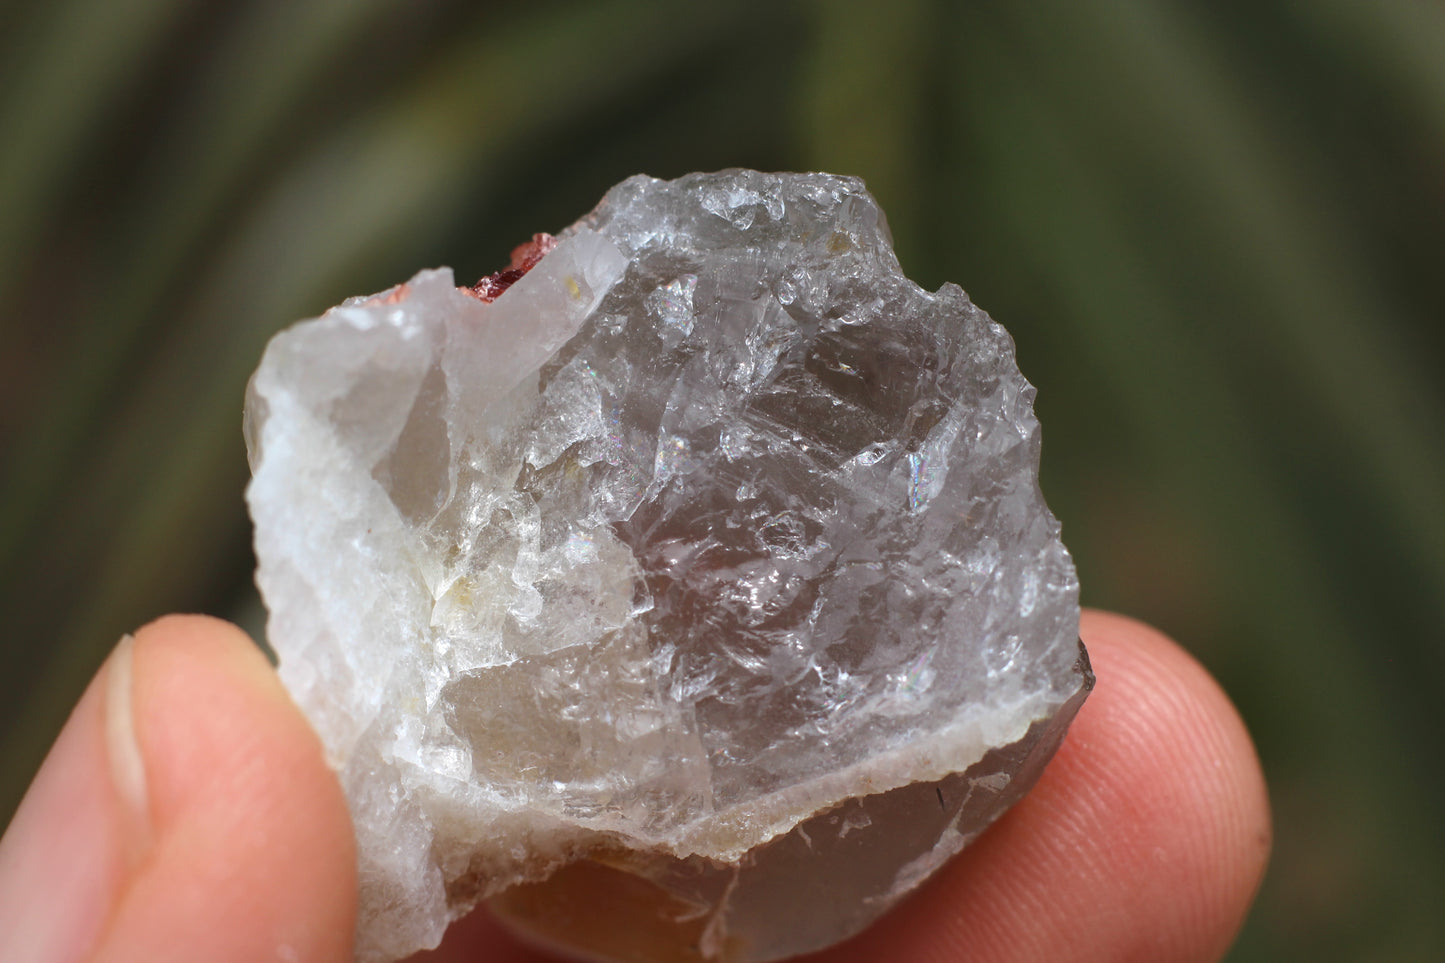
<point>699,535</point>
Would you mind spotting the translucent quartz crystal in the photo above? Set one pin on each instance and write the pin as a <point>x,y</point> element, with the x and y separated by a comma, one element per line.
<point>692,599</point>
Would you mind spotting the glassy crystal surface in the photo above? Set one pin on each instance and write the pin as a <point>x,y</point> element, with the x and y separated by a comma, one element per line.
<point>684,589</point>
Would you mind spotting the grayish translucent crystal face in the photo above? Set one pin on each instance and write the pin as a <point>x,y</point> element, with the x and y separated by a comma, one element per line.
<point>713,524</point>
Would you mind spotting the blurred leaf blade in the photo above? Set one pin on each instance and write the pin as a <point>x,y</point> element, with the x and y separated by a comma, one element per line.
<point>160,231</point>
<point>71,69</point>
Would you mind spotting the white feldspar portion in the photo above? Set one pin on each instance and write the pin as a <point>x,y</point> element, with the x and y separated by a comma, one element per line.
<point>711,552</point>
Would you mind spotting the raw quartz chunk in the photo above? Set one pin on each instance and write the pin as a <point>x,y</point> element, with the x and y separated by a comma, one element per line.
<point>684,590</point>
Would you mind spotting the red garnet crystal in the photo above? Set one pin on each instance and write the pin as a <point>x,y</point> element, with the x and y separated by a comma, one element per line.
<point>524,258</point>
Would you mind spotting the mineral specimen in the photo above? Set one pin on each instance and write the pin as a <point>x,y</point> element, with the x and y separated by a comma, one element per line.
<point>684,589</point>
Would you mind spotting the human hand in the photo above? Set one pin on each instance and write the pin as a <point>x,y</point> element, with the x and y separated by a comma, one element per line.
<point>186,813</point>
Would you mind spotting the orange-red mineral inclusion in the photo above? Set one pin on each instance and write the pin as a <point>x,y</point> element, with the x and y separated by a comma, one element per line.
<point>524,258</point>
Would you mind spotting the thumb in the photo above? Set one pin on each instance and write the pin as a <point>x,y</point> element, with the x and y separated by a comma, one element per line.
<point>184,813</point>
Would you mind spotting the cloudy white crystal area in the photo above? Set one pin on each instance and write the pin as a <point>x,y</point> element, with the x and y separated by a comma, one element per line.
<point>709,530</point>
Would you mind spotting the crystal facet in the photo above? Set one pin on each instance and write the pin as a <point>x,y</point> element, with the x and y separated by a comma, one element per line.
<point>684,589</point>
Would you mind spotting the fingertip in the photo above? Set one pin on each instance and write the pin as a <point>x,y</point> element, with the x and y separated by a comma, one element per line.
<point>210,639</point>
<point>1175,786</point>
<point>204,699</point>
<point>64,856</point>
<point>1186,723</point>
<point>1145,839</point>
<point>252,854</point>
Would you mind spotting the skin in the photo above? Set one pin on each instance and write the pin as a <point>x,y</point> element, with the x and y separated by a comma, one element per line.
<point>186,813</point>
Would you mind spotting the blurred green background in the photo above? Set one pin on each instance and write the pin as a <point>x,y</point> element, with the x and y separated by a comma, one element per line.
<point>1216,231</point>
